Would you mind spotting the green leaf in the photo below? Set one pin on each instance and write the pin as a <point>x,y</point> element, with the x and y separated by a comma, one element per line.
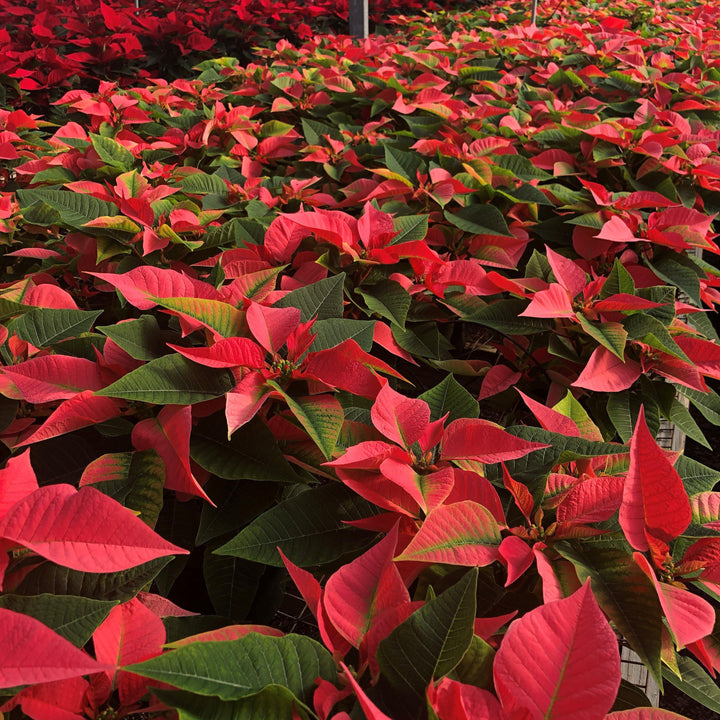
<point>315,131</point>
<point>234,669</point>
<point>54,176</point>
<point>43,214</point>
<point>273,702</point>
<point>610,335</point>
<point>8,411</point>
<point>46,326</point>
<point>112,152</point>
<point>238,503</point>
<point>323,299</point>
<point>309,528</point>
<point>141,339</point>
<point>676,269</point>
<point>252,453</point>
<point>479,219</point>
<point>201,183</point>
<point>404,163</point>
<point>663,294</point>
<point>235,233</point>
<point>334,331</point>
<point>171,380</point>
<point>321,416</point>
<point>389,299</point>
<point>219,316</point>
<point>695,683</point>
<point>618,281</point>
<point>231,583</point>
<point>696,477</point>
<point>708,403</point>
<point>74,618</point>
<point>76,209</point>
<point>700,321</point>
<point>621,414</point>
<point>9,309</point>
<point>630,696</point>
<point>146,475</point>
<point>134,479</point>
<point>651,331</point>
<point>449,396</point>
<point>409,228</point>
<point>624,593</point>
<point>570,407</point>
<point>276,128</point>
<point>121,586</point>
<point>475,668</point>
<point>521,167</point>
<point>680,417</point>
<point>422,340</point>
<point>524,194</point>
<point>562,449</point>
<point>432,641</point>
<point>503,317</point>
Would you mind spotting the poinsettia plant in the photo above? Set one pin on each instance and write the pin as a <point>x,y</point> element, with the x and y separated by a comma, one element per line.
<point>394,323</point>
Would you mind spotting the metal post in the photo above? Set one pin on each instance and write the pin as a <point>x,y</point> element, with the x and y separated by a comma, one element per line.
<point>533,12</point>
<point>359,25</point>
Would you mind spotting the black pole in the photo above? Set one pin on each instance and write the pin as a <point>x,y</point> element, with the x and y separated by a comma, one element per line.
<point>359,25</point>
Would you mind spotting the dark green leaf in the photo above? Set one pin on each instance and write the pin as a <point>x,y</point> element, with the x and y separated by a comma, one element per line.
<point>707,403</point>
<point>74,618</point>
<point>335,330</point>
<point>323,299</point>
<point>409,228</point>
<point>562,449</point>
<point>524,194</point>
<point>9,309</point>
<point>201,183</point>
<point>680,271</point>
<point>231,584</point>
<point>112,152</point>
<point>45,326</point>
<point>696,477</point>
<point>252,452</point>
<point>141,339</point>
<point>171,380</point>
<point>237,502</point>
<point>624,593</point>
<point>695,683</point>
<point>121,586</point>
<point>681,418</point>
<point>610,335</point>
<point>315,131</point>
<point>432,641</point>
<point>233,669</point>
<point>479,219</point>
<point>404,163</point>
<point>422,340</point>
<point>618,281</point>
<point>272,703</point>
<point>521,167</point>
<point>449,396</point>
<point>651,331</point>
<point>76,209</point>
<point>389,299</point>
<point>503,317</point>
<point>622,414</point>
<point>663,294</point>
<point>629,696</point>
<point>309,528</point>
